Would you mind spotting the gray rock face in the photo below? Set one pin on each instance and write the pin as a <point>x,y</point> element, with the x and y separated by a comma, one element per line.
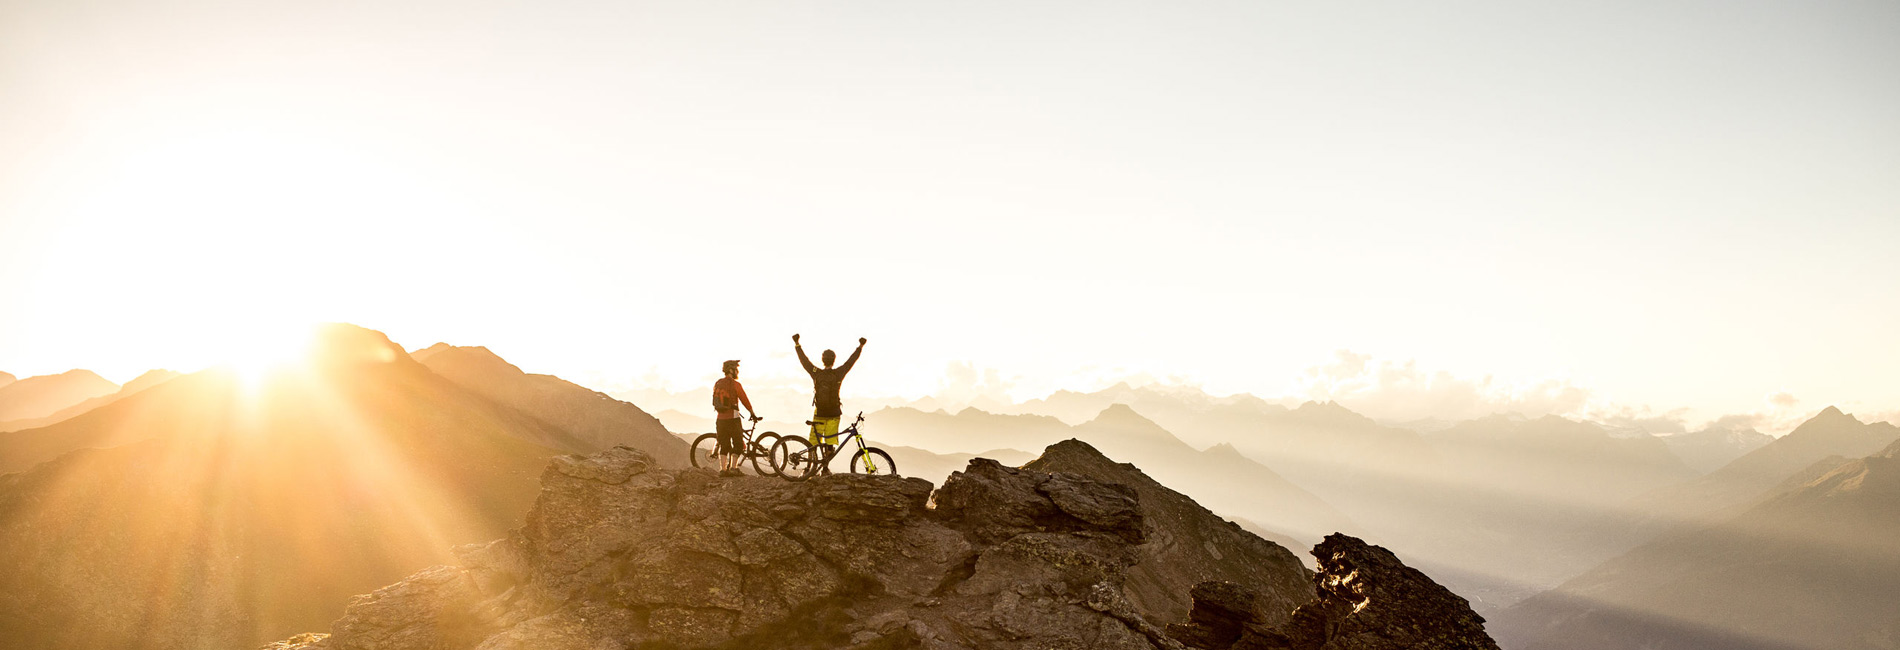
<point>1184,544</point>
<point>618,553</point>
<point>1368,600</point>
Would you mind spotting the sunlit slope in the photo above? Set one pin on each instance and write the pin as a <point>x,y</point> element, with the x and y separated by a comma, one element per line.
<point>1829,433</point>
<point>134,387</point>
<point>595,420</point>
<point>187,403</point>
<point>1219,478</point>
<point>38,397</point>
<point>227,512</point>
<point>1816,567</point>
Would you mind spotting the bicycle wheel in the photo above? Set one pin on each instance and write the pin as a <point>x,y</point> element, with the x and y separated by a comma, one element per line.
<point>704,446</point>
<point>792,458</point>
<point>873,461</point>
<point>762,448</point>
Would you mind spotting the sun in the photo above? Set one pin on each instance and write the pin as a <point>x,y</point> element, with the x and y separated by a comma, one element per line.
<point>259,352</point>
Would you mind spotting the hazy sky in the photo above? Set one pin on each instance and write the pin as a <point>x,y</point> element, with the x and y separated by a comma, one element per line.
<point>1665,204</point>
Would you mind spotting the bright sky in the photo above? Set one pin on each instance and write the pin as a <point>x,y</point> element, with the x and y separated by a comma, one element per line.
<point>1690,204</point>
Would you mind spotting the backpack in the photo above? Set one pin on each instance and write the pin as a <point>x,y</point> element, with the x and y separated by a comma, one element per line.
<point>723,399</point>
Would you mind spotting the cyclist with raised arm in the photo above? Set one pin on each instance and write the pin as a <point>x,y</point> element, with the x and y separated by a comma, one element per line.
<point>827,409</point>
<point>728,394</point>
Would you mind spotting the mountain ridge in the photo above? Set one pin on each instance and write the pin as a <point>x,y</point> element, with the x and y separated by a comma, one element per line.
<point>138,384</point>
<point>593,420</point>
<point>44,395</point>
<point>1827,546</point>
<point>1216,480</point>
<point>618,553</point>
<point>215,492</point>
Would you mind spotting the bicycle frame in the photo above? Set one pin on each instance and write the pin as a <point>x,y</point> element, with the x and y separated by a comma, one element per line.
<point>827,453</point>
<point>752,446</point>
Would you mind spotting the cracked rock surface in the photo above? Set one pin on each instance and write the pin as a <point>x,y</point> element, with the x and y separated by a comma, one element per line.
<point>1368,600</point>
<point>619,553</point>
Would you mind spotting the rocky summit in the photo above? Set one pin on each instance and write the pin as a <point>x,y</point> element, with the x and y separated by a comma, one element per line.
<point>620,553</point>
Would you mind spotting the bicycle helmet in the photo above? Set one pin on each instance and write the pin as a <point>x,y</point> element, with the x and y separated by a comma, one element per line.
<point>730,366</point>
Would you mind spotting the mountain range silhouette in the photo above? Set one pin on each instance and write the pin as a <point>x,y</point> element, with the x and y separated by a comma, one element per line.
<point>218,509</point>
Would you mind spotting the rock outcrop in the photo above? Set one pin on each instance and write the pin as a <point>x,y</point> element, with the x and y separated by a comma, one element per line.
<point>1368,600</point>
<point>619,553</point>
<point>1187,544</point>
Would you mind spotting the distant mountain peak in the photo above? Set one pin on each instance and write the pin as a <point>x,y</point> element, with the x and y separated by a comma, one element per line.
<point>82,373</point>
<point>44,395</point>
<point>1329,410</point>
<point>1829,418</point>
<point>1225,449</point>
<point>346,344</point>
<point>1119,413</point>
<point>465,356</point>
<point>1316,406</point>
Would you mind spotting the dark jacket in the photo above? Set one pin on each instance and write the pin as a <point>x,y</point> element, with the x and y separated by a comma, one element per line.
<point>825,383</point>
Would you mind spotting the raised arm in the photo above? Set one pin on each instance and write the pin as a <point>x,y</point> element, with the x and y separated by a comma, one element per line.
<point>802,359</point>
<point>846,368</point>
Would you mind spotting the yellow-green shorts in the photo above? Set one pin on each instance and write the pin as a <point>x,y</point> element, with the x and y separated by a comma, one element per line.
<point>824,431</point>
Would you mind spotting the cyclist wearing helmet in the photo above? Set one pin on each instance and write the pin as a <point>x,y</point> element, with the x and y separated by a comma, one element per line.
<point>727,396</point>
<point>826,407</point>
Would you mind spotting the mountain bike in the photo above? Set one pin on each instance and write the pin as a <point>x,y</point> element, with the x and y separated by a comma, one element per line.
<point>755,448</point>
<point>796,459</point>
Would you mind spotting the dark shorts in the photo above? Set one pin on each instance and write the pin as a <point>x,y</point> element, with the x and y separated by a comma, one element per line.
<point>731,436</point>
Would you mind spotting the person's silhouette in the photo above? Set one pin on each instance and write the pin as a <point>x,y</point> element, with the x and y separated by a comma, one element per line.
<point>827,409</point>
<point>728,394</point>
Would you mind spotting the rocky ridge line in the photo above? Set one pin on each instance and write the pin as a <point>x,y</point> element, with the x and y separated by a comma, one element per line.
<point>618,553</point>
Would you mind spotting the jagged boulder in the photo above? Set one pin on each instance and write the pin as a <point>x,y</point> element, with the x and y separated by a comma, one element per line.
<point>1185,544</point>
<point>618,553</point>
<point>1368,600</point>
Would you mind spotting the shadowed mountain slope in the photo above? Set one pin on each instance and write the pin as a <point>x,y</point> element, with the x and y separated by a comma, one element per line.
<point>38,397</point>
<point>597,421</point>
<point>227,512</point>
<point>1816,566</point>
<point>134,387</point>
